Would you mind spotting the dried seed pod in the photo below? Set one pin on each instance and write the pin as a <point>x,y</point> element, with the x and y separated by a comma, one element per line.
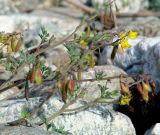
<point>88,31</point>
<point>27,90</point>
<point>64,91</point>
<point>146,86</point>
<point>38,76</point>
<point>139,88</point>
<point>145,96</point>
<point>124,88</point>
<point>31,75</point>
<point>79,75</point>
<point>91,61</point>
<point>9,49</point>
<point>71,85</point>
<point>18,45</point>
<point>13,44</point>
<point>153,85</point>
<point>114,51</point>
<point>59,84</point>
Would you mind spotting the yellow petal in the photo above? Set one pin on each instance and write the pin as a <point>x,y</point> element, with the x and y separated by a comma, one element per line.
<point>121,36</point>
<point>133,34</point>
<point>125,99</point>
<point>125,44</point>
<point>83,43</point>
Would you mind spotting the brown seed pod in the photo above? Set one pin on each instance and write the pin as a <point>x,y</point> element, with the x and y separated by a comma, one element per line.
<point>64,91</point>
<point>114,51</point>
<point>38,76</point>
<point>18,45</point>
<point>71,85</point>
<point>91,61</point>
<point>139,88</point>
<point>146,86</point>
<point>124,88</point>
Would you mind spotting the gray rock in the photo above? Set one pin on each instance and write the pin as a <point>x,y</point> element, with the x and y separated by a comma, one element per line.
<point>127,6</point>
<point>92,87</point>
<point>97,120</point>
<point>142,57</point>
<point>148,26</point>
<point>106,121</point>
<point>155,130</point>
<point>30,25</point>
<point>7,7</point>
<point>23,130</point>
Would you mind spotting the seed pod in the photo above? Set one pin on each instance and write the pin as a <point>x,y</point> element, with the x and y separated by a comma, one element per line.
<point>153,85</point>
<point>91,61</point>
<point>71,85</point>
<point>64,91</point>
<point>38,76</point>
<point>139,88</point>
<point>88,31</point>
<point>27,90</point>
<point>79,75</point>
<point>114,51</point>
<point>18,45</point>
<point>31,75</point>
<point>13,44</point>
<point>124,88</point>
<point>59,84</point>
<point>145,96</point>
<point>9,49</point>
<point>146,86</point>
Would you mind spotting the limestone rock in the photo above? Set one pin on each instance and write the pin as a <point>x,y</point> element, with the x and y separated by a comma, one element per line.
<point>155,130</point>
<point>142,57</point>
<point>30,25</point>
<point>127,6</point>
<point>97,120</point>
<point>7,7</point>
<point>22,130</point>
<point>106,121</point>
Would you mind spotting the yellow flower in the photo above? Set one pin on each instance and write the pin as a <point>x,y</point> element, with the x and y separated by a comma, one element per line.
<point>125,99</point>
<point>124,43</point>
<point>121,36</point>
<point>83,43</point>
<point>133,34</point>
